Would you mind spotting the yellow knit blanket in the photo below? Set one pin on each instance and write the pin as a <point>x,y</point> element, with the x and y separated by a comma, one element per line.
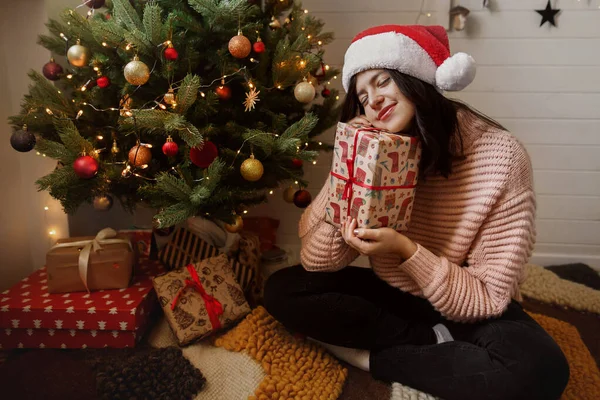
<point>296,369</point>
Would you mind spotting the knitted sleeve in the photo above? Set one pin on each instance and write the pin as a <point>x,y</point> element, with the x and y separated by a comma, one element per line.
<point>502,246</point>
<point>323,247</point>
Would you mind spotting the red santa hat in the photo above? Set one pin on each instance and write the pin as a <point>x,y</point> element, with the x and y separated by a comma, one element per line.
<point>416,50</point>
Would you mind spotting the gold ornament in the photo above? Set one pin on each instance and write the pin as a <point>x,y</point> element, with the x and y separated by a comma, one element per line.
<point>140,155</point>
<point>169,97</point>
<point>78,55</point>
<point>240,46</point>
<point>288,194</point>
<point>275,24</point>
<point>238,225</point>
<point>114,149</point>
<point>251,99</point>
<point>136,72</point>
<point>103,202</point>
<point>252,169</point>
<point>304,92</point>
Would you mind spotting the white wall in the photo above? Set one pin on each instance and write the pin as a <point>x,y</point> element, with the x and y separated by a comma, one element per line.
<point>24,224</point>
<point>541,83</point>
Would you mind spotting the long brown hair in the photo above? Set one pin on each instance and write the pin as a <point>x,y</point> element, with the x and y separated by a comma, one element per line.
<point>435,121</point>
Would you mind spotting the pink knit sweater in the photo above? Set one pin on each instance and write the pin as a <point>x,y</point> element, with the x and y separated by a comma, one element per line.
<point>474,231</point>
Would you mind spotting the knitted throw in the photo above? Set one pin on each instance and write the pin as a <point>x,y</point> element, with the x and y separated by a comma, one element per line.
<point>295,368</point>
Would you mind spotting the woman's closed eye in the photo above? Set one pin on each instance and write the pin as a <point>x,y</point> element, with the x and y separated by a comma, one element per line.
<point>364,99</point>
<point>383,82</point>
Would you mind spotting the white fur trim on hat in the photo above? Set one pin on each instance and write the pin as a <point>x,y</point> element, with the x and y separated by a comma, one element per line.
<point>456,72</point>
<point>388,50</point>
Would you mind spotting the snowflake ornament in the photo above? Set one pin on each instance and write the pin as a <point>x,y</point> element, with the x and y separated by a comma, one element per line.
<point>251,99</point>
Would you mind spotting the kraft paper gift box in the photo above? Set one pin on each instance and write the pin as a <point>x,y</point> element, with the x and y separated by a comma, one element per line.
<point>30,317</point>
<point>373,177</point>
<point>201,299</point>
<point>88,263</point>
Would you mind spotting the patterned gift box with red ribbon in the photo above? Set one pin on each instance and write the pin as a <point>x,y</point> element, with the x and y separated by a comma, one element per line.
<point>30,317</point>
<point>373,177</point>
<point>201,299</point>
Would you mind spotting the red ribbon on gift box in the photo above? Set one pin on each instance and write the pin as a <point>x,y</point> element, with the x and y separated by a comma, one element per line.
<point>351,180</point>
<point>213,306</point>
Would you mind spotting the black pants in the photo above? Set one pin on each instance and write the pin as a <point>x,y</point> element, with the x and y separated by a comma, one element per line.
<point>510,357</point>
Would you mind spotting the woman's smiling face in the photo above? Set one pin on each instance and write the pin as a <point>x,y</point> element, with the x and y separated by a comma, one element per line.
<point>385,106</point>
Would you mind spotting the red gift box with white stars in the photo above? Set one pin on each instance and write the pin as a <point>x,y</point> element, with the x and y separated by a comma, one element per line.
<point>30,317</point>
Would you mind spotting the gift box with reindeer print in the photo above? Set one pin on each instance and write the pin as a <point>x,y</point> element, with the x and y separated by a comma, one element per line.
<point>373,177</point>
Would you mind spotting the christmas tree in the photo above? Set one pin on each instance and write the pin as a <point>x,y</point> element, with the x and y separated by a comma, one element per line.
<point>194,107</point>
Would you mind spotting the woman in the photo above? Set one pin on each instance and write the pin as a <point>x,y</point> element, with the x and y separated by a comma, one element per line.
<point>438,309</point>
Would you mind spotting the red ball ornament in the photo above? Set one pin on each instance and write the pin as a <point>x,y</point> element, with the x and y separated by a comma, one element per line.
<point>224,92</point>
<point>85,167</point>
<point>326,92</point>
<point>204,156</point>
<point>302,198</point>
<point>171,54</point>
<point>170,148</point>
<point>52,70</point>
<point>259,47</point>
<point>103,82</point>
<point>297,163</point>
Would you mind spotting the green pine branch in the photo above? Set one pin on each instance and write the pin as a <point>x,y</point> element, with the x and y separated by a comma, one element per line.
<point>183,20</point>
<point>72,140</point>
<point>43,94</point>
<point>217,13</point>
<point>138,40</point>
<point>159,122</point>
<point>172,186</point>
<point>109,32</point>
<point>174,214</point>
<point>187,93</point>
<point>77,27</point>
<point>261,140</point>
<point>153,25</point>
<point>301,128</point>
<point>126,14</point>
<point>54,150</point>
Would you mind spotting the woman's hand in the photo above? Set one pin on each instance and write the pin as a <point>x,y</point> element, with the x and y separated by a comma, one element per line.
<point>360,120</point>
<point>370,242</point>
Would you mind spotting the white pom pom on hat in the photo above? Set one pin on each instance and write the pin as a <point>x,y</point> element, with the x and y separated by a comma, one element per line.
<point>416,50</point>
<point>456,72</point>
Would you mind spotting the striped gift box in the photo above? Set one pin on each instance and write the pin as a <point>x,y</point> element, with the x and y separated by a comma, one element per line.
<point>186,247</point>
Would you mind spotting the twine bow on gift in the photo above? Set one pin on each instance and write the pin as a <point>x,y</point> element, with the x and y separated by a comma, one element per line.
<point>105,236</point>
<point>213,306</point>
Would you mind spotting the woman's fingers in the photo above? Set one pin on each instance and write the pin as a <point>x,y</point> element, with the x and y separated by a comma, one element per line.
<point>360,120</point>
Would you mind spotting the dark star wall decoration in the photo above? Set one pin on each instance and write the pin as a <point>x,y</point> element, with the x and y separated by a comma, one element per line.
<point>548,14</point>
